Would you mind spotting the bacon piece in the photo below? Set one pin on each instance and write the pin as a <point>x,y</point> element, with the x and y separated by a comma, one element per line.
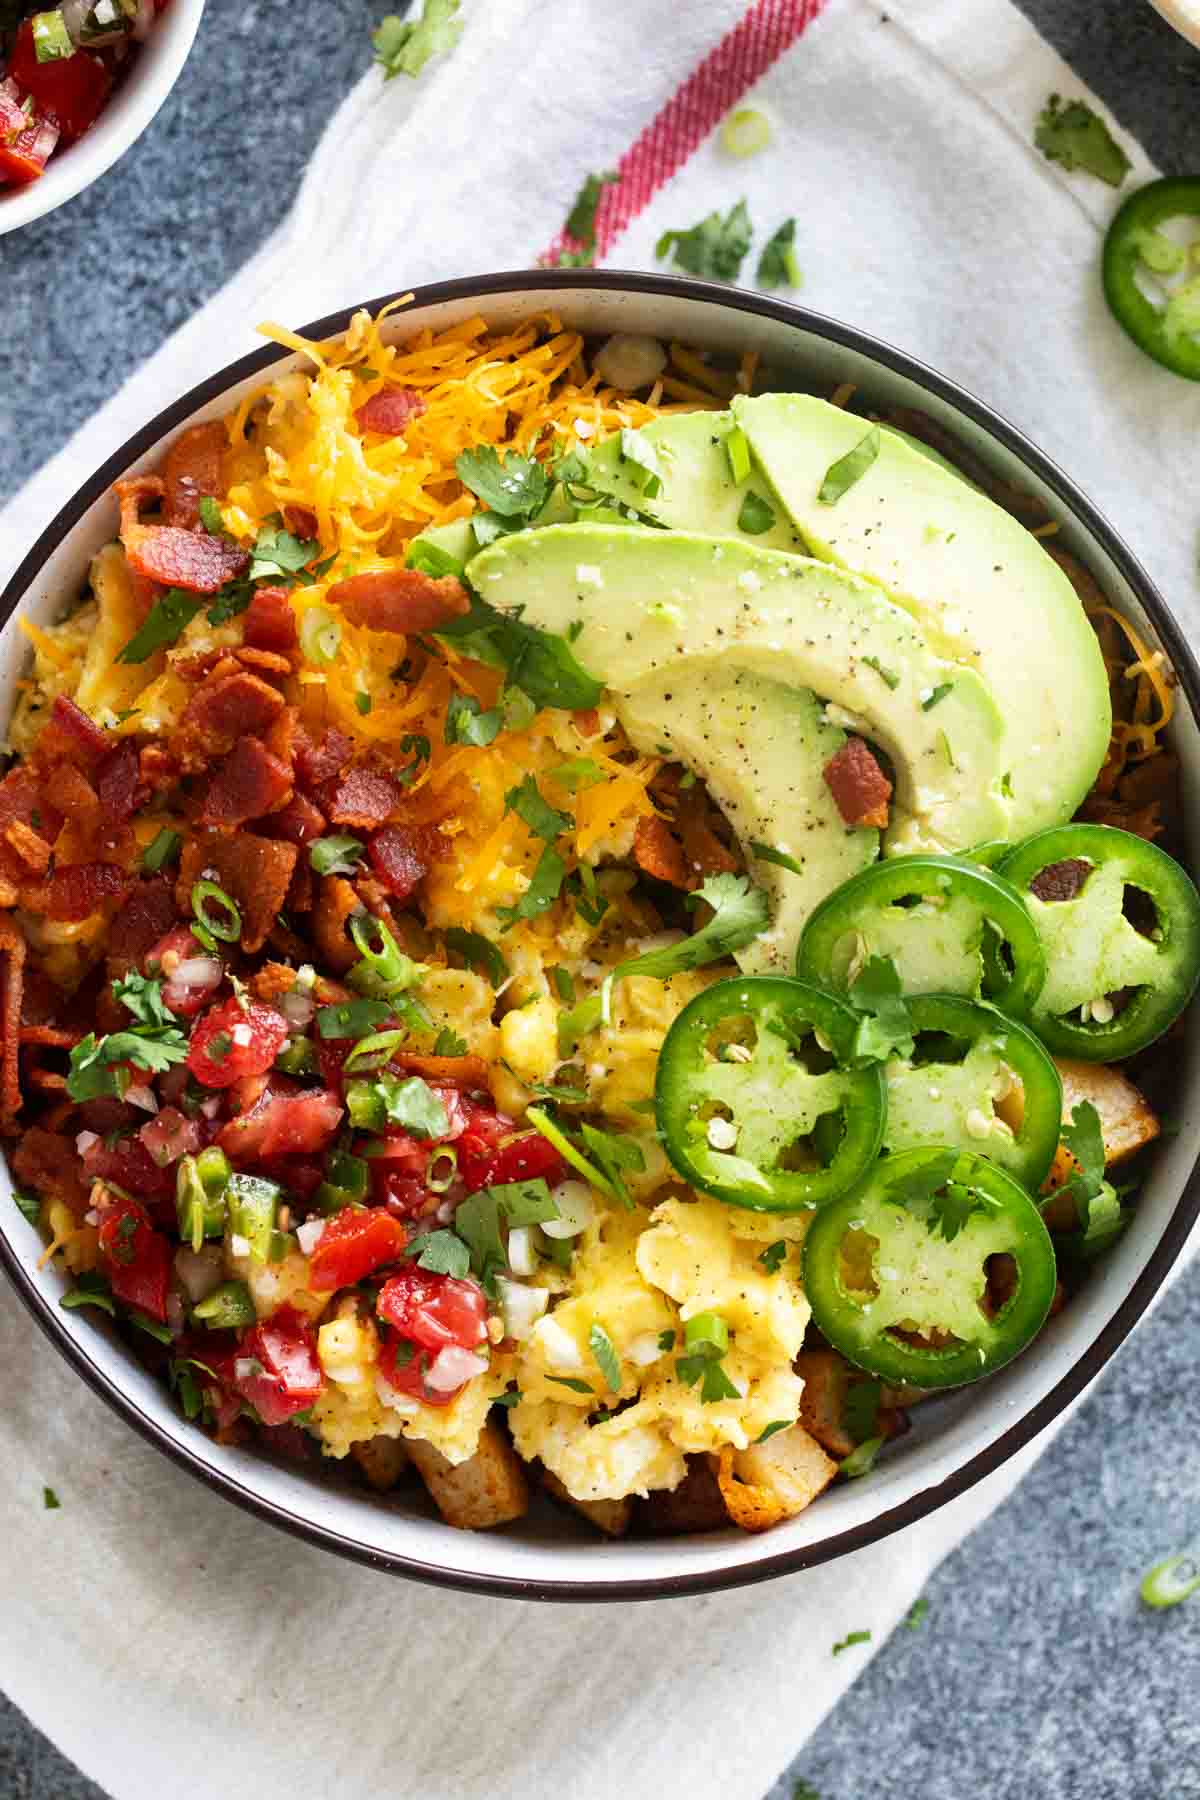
<point>246,784</point>
<point>300,522</point>
<point>268,661</point>
<point>336,900</point>
<point>270,622</point>
<point>271,982</point>
<point>459,1071</point>
<point>50,1037</point>
<point>119,784</point>
<point>185,559</point>
<point>299,822</point>
<point>83,733</point>
<point>702,847</point>
<point>390,411</point>
<point>223,709</point>
<point>321,762</point>
<point>192,472</point>
<point>361,797</point>
<point>254,871</point>
<point>401,856</point>
<point>77,891</point>
<point>157,768</point>
<point>400,600</point>
<point>47,1162</point>
<point>302,888</point>
<point>660,854</point>
<point>13,951</point>
<point>146,916</point>
<point>21,803</point>
<point>32,849</point>
<point>860,788</point>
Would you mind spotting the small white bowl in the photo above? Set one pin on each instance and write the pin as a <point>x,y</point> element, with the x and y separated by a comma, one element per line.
<point>1184,15</point>
<point>150,80</point>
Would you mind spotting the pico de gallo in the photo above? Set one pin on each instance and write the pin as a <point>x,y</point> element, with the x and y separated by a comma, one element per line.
<point>59,68</point>
<point>395,1038</point>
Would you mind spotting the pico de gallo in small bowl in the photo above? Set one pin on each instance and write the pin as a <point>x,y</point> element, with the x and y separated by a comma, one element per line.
<point>554,935</point>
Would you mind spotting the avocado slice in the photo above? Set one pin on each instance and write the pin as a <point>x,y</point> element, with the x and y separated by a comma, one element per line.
<point>981,586</point>
<point>655,614</point>
<point>721,722</point>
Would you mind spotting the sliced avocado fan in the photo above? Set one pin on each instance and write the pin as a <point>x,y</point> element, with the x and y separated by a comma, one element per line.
<point>656,614</point>
<point>984,591</point>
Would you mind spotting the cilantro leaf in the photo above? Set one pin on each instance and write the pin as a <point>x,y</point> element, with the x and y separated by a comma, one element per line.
<point>403,47</point>
<point>576,1387</point>
<point>467,723</point>
<point>861,1459</point>
<point>1084,1138</point>
<point>774,1256</point>
<point>666,1340</point>
<point>755,515</point>
<point>777,266</point>
<point>917,1187</point>
<point>28,1205</point>
<point>541,664</point>
<point>515,487</point>
<point>950,1210</point>
<point>50,1499</point>
<point>89,1290</point>
<point>232,599</point>
<point>768,1431</point>
<point>715,247</point>
<point>543,890</point>
<point>413,1105</point>
<point>167,618</point>
<point>886,675</point>
<point>917,1614</point>
<point>613,1153</point>
<point>604,1351</point>
<point>581,220</point>
<point>477,1221</point>
<point>885,1027</point>
<point>477,951</point>
<point>580,772</point>
<point>935,695</point>
<point>535,812</point>
<point>769,854</point>
<point>278,555</point>
<point>851,1637</point>
<point>448,1043</point>
<point>336,855</point>
<point>641,455</point>
<point>142,995</point>
<point>93,1065</point>
<point>1070,133</point>
<point>740,912</point>
<point>860,1409</point>
<point>841,475</point>
<point>441,1252</point>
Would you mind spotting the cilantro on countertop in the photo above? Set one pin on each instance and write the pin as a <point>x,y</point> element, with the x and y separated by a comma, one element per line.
<point>405,46</point>
<point>1070,133</point>
<point>851,1637</point>
<point>580,224</point>
<point>716,247</point>
<point>50,1499</point>
<point>777,266</point>
<point>917,1614</point>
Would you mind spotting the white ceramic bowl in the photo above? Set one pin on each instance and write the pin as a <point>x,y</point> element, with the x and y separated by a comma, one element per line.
<point>954,1440</point>
<point>150,80</point>
<point>1184,15</point>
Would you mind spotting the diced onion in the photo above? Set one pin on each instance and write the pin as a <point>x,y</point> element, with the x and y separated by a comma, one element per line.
<point>84,1140</point>
<point>246,1368</point>
<point>297,1007</point>
<point>522,1257</point>
<point>558,1346</point>
<point>200,1271</point>
<point>198,972</point>
<point>521,1307</point>
<point>630,361</point>
<point>238,1245</point>
<point>644,1350</point>
<point>144,1098</point>
<point>452,1367</point>
<point>309,1234</point>
<point>400,1403</point>
<point>576,1209</point>
<point>211,1107</point>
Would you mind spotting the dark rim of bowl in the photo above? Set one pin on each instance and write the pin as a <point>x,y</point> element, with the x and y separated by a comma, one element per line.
<point>1187,1208</point>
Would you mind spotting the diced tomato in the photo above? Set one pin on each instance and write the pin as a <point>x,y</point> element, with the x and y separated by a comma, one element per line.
<point>402,1366</point>
<point>190,994</point>
<point>24,157</point>
<point>137,1258</point>
<point>523,1158</point>
<point>434,1311</point>
<point>354,1244</point>
<point>286,1347</point>
<point>398,1174</point>
<point>168,1136</point>
<point>71,93</point>
<point>13,118</point>
<point>234,1040</point>
<point>285,1119</point>
<point>129,1165</point>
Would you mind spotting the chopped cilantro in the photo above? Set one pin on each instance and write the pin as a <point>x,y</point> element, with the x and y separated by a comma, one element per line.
<point>541,664</point>
<point>535,812</point>
<point>861,1459</point>
<point>448,1043</point>
<point>777,266</point>
<point>642,457</point>
<point>755,515</point>
<point>142,995</point>
<point>666,1340</point>
<point>477,1221</point>
<point>768,853</point>
<point>89,1290</point>
<point>514,488</point>
<point>774,1256</point>
<point>467,723</point>
<point>612,1154</point>
<point>543,890</point>
<point>279,556</point>
<point>860,1410</point>
<point>28,1205</point>
<point>887,675</point>
<point>163,624</point>
<point>336,855</point>
<point>935,695</point>
<point>403,47</point>
<point>607,1360</point>
<point>885,1027</point>
<point>768,1431</point>
<point>564,984</point>
<point>362,702</point>
<point>841,475</point>
<point>715,1384</point>
<point>851,1637</point>
<point>917,1614</point>
<point>715,247</point>
<point>50,1499</point>
<point>441,1252</point>
<point>576,1387</point>
<point>94,1064</point>
<point>580,772</point>
<point>1070,133</point>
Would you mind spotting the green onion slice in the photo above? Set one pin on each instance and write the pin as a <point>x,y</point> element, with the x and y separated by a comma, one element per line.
<point>320,635</point>
<point>706,1333</point>
<point>227,926</point>
<point>441,1168</point>
<point>373,1052</point>
<point>164,849</point>
<point>746,132</point>
<point>1171,1581</point>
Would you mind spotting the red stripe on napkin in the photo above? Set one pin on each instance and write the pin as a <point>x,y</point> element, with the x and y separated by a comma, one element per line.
<point>744,54</point>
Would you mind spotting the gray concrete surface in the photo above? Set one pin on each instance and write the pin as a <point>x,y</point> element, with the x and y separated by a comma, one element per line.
<point>1036,1672</point>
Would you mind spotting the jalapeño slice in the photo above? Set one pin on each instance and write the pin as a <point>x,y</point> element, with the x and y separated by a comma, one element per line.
<point>948,924</point>
<point>753,1104</point>
<point>1136,249</point>
<point>979,1081</point>
<point>1120,924</point>
<point>897,1271</point>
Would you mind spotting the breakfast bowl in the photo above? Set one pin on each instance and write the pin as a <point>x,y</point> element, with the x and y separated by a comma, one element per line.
<point>955,1438</point>
<point>140,92</point>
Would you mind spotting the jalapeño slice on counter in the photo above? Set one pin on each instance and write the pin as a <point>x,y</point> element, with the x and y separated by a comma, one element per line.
<point>752,1102</point>
<point>897,1271</point>
<point>949,926</point>
<point>976,1080</point>
<point>1120,924</point>
<point>1137,249</point>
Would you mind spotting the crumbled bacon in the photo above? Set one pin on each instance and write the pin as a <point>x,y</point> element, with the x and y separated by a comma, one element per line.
<point>860,788</point>
<point>400,600</point>
<point>267,662</point>
<point>299,822</point>
<point>12,953</point>
<point>660,854</point>
<point>192,472</point>
<point>223,709</point>
<point>270,622</point>
<point>77,891</point>
<point>302,888</point>
<point>335,902</point>
<point>245,784</point>
<point>119,783</point>
<point>401,856</point>
<point>21,803</point>
<point>317,763</point>
<point>32,848</point>
<point>171,554</point>
<point>361,797</point>
<point>157,768</point>
<point>146,916</point>
<point>301,522</point>
<point>76,726</point>
<point>47,1162</point>
<point>254,871</point>
<point>390,411</point>
<point>694,818</point>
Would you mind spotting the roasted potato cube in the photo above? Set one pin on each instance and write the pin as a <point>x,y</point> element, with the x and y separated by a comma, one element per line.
<point>609,1516</point>
<point>828,1379</point>
<point>382,1460</point>
<point>488,1489</point>
<point>695,1505</point>
<point>773,1481</point>
<point>1126,1121</point>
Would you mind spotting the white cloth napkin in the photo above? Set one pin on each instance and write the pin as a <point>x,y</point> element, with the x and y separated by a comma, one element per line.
<point>171,1645</point>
